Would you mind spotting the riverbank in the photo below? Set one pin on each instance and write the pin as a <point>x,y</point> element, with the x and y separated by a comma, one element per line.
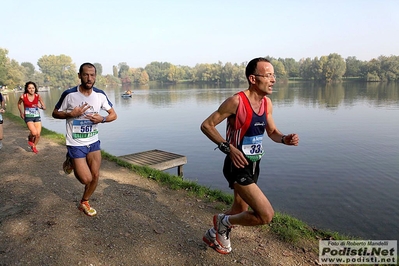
<point>139,221</point>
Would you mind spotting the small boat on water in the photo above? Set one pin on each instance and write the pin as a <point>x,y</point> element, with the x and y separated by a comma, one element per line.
<point>127,94</point>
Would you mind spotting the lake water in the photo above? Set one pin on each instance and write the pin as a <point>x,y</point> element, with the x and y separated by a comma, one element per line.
<point>344,175</point>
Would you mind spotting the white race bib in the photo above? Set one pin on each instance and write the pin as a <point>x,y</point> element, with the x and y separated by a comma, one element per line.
<point>253,148</point>
<point>32,112</point>
<point>83,128</point>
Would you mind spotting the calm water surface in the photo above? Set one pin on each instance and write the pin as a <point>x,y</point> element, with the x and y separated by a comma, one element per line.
<point>344,176</point>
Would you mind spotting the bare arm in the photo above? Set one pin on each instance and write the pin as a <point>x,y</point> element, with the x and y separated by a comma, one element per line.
<point>111,116</point>
<point>272,131</point>
<point>21,111</point>
<point>42,103</point>
<point>208,127</point>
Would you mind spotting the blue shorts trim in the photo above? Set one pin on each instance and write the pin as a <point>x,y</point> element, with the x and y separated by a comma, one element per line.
<point>33,119</point>
<point>81,151</point>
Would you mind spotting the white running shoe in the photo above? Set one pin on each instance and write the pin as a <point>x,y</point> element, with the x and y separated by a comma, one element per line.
<point>223,231</point>
<point>210,239</point>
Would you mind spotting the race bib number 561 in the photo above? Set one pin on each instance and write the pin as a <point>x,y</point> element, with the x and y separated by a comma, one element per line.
<point>83,128</point>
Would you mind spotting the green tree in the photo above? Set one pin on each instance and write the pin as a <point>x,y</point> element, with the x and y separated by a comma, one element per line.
<point>389,68</point>
<point>111,80</point>
<point>353,67</point>
<point>29,71</point>
<point>204,72</point>
<point>239,73</point>
<point>306,68</point>
<point>144,78</point>
<point>172,74</point>
<point>291,67</point>
<point>4,60</point>
<point>123,70</point>
<point>373,70</point>
<point>99,69</point>
<point>227,73</point>
<point>153,70</point>
<point>334,67</point>
<point>15,74</point>
<point>115,71</point>
<point>318,66</point>
<point>59,71</point>
<point>279,69</point>
<point>135,74</point>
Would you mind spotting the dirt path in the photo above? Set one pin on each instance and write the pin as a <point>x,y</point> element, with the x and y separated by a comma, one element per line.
<point>139,222</point>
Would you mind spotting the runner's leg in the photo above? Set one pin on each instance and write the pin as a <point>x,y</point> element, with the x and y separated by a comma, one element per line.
<point>94,163</point>
<point>38,127</point>
<point>262,211</point>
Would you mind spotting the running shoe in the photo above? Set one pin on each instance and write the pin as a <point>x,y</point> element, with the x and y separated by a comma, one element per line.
<point>85,207</point>
<point>223,231</point>
<point>30,142</point>
<point>34,149</point>
<point>210,239</point>
<point>67,165</point>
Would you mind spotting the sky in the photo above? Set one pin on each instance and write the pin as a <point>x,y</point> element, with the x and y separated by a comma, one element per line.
<point>188,32</point>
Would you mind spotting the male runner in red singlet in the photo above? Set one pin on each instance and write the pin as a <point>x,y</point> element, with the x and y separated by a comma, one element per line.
<point>249,115</point>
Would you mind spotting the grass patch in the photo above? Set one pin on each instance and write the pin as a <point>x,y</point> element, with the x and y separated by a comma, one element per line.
<point>293,230</point>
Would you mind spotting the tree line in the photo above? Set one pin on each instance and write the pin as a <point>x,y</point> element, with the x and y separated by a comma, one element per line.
<point>59,71</point>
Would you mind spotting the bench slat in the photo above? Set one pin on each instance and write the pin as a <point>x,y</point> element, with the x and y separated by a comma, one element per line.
<point>157,159</point>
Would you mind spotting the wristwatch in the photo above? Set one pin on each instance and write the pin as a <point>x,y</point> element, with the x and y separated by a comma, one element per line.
<point>282,139</point>
<point>224,147</point>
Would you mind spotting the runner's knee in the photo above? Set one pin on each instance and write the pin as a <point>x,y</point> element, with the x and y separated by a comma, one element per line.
<point>267,217</point>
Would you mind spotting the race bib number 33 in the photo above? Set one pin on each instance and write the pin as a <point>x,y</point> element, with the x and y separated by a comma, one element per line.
<point>252,147</point>
<point>83,128</point>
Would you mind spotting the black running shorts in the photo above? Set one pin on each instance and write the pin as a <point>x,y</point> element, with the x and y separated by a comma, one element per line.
<point>242,176</point>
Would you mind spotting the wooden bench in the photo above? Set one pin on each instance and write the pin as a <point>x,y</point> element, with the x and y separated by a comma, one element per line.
<point>157,159</point>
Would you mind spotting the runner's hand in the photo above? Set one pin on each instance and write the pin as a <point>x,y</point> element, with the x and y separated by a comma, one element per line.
<point>96,118</point>
<point>79,110</point>
<point>237,157</point>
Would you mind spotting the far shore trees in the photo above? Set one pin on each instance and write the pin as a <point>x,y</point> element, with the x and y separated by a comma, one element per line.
<point>59,71</point>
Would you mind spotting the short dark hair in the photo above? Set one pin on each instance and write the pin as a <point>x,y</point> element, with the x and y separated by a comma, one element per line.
<point>29,83</point>
<point>89,65</point>
<point>251,67</point>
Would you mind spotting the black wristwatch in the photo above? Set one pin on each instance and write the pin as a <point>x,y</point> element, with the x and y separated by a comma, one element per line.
<point>282,139</point>
<point>224,147</point>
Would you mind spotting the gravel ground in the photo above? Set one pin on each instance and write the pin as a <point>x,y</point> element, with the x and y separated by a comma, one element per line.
<point>139,222</point>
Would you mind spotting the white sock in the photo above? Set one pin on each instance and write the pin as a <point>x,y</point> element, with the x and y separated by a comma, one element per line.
<point>226,221</point>
<point>213,232</point>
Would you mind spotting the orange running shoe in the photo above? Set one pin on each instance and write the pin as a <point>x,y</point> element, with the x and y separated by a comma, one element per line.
<point>85,207</point>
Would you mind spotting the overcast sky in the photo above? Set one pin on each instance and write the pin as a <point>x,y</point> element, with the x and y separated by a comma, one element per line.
<point>184,32</point>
